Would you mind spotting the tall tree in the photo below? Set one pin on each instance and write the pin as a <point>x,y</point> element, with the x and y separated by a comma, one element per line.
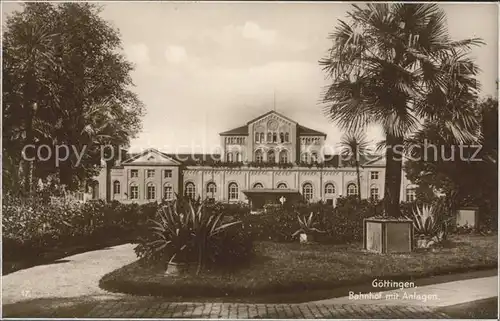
<point>28,57</point>
<point>79,81</point>
<point>467,175</point>
<point>395,65</point>
<point>354,146</point>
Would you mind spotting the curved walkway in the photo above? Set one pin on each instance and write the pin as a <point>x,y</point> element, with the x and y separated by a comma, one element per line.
<point>70,288</point>
<point>73,276</point>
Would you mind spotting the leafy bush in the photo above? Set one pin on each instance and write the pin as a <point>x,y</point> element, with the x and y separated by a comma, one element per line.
<point>341,224</point>
<point>182,233</point>
<point>32,226</point>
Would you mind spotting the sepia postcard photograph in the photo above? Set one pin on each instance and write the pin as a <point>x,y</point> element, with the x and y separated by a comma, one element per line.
<point>249,160</point>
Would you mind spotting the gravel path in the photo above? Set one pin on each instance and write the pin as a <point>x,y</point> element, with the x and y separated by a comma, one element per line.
<point>72,276</point>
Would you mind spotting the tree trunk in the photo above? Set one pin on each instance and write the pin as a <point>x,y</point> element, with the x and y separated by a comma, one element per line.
<point>66,174</point>
<point>109,165</point>
<point>393,174</point>
<point>359,179</point>
<point>28,179</point>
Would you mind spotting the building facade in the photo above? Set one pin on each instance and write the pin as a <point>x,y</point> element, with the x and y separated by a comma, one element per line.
<point>270,159</point>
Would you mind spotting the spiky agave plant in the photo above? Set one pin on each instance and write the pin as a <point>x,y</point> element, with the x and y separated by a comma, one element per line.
<point>426,223</point>
<point>171,234</point>
<point>206,225</point>
<point>307,225</point>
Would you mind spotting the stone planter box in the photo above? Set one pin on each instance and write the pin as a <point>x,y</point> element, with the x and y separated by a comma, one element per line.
<point>467,216</point>
<point>388,235</point>
<point>175,269</point>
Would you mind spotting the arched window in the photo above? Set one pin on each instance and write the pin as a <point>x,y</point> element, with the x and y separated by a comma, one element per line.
<point>374,195</point>
<point>262,137</point>
<point>258,156</point>
<point>269,137</point>
<point>151,191</point>
<point>238,157</point>
<point>283,156</point>
<point>257,136</point>
<point>275,137</point>
<point>287,137</point>
<point>282,186</point>
<point>282,138</point>
<point>211,190</point>
<point>258,185</point>
<point>352,189</point>
<point>229,157</point>
<point>190,190</point>
<point>116,187</point>
<point>307,191</point>
<point>411,194</point>
<point>314,157</point>
<point>271,157</point>
<point>134,191</point>
<point>233,191</point>
<point>168,192</point>
<point>329,188</point>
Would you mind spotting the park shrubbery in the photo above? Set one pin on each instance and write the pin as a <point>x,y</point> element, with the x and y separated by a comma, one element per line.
<point>33,226</point>
<point>342,224</point>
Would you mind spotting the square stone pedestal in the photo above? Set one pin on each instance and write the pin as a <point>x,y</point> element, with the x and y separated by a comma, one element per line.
<point>388,235</point>
<point>468,216</point>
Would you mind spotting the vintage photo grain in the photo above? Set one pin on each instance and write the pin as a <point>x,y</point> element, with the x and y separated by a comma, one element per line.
<point>251,160</point>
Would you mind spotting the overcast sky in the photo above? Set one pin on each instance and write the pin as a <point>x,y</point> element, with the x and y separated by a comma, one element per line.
<point>203,68</point>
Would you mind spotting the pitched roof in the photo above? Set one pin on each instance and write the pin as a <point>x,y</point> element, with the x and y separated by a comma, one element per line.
<point>243,130</point>
<point>269,113</point>
<point>304,131</point>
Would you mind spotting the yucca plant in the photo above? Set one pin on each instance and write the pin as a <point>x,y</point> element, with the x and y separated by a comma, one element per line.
<point>206,225</point>
<point>427,226</point>
<point>306,227</point>
<point>177,235</point>
<point>171,234</point>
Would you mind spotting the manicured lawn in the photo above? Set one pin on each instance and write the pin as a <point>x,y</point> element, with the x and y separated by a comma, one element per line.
<point>290,267</point>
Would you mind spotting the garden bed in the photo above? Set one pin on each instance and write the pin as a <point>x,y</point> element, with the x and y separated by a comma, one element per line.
<point>291,267</point>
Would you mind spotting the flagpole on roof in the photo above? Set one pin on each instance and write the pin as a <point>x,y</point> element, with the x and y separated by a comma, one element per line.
<point>274,99</point>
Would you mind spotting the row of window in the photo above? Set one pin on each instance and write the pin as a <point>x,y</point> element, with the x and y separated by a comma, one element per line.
<point>167,173</point>
<point>190,190</point>
<point>310,140</point>
<point>271,156</point>
<point>168,191</point>
<point>233,157</point>
<point>235,140</point>
<point>309,157</point>
<point>272,137</point>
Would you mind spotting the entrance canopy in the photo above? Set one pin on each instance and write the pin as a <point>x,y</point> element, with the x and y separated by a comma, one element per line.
<point>260,196</point>
<point>277,191</point>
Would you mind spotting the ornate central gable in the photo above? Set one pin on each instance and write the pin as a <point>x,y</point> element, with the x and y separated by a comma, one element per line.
<point>272,120</point>
<point>151,157</point>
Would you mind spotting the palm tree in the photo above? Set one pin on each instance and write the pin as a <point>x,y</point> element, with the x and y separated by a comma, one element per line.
<point>353,146</point>
<point>28,52</point>
<point>395,65</point>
